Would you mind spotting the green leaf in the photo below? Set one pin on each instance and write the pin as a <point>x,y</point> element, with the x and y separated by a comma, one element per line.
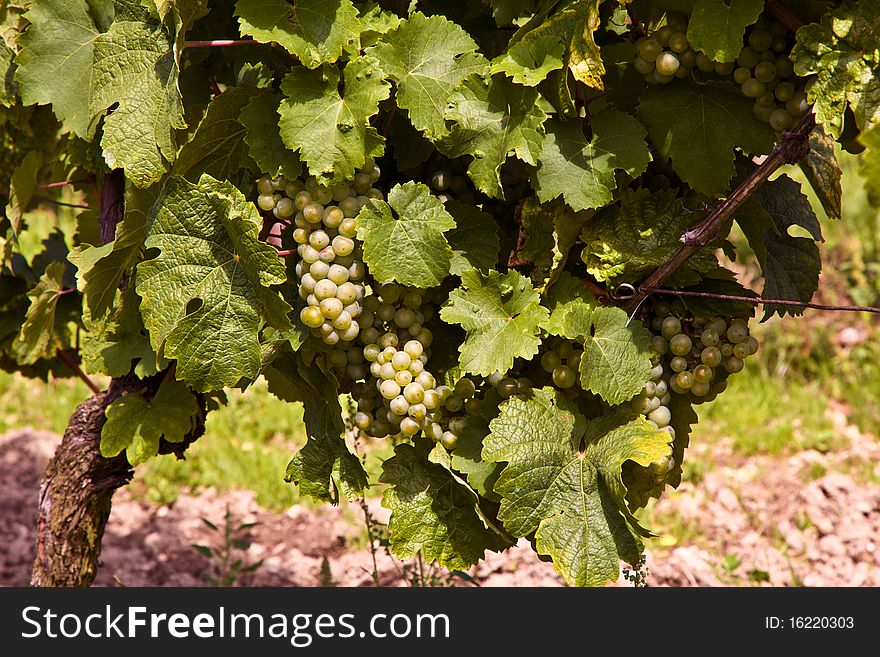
<point>22,188</point>
<point>37,336</point>
<point>467,458</point>
<point>216,146</point>
<point>841,53</point>
<point>100,268</point>
<point>699,127</point>
<point>206,295</point>
<point>315,31</point>
<point>626,242</point>
<point>410,247</point>
<point>135,67</point>
<point>427,57</point>
<point>332,132</point>
<point>563,482</point>
<point>573,22</point>
<point>566,293</point>
<point>492,119</point>
<point>822,170</point>
<point>506,11</point>
<point>326,470</point>
<point>583,171</point>
<point>501,314</point>
<point>529,62</point>
<point>7,76</point>
<point>716,27</point>
<point>263,137</point>
<point>431,512</point>
<point>617,354</point>
<point>54,64</point>
<point>474,240</point>
<point>550,232</point>
<point>135,424</point>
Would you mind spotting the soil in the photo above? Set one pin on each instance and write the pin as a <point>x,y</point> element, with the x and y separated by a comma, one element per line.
<point>756,521</point>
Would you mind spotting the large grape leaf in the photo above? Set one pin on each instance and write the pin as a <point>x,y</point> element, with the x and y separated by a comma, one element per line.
<point>206,294</point>
<point>716,27</point>
<point>841,53</point>
<point>870,168</point>
<point>22,186</point>
<point>617,355</point>
<point>474,240</point>
<point>403,238</point>
<point>700,126</point>
<point>822,170</point>
<point>790,265</point>
<point>427,57</point>
<point>54,64</point>
<point>331,131</point>
<point>501,314</point>
<point>431,511</point>
<point>573,22</point>
<point>529,62</point>
<point>37,336</point>
<point>216,147</point>
<point>563,482</point>
<point>626,242</point>
<point>135,68</point>
<point>582,170</point>
<point>315,31</point>
<point>492,118</point>
<point>136,424</point>
<point>263,137</point>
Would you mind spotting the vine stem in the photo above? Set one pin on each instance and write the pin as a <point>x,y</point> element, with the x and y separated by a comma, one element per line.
<point>793,146</point>
<point>63,183</point>
<point>47,199</point>
<point>286,252</point>
<point>759,300</point>
<point>219,43</point>
<point>74,366</point>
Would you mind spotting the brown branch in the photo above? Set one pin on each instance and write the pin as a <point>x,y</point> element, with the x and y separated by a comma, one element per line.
<point>219,43</point>
<point>785,15</point>
<point>793,146</point>
<point>68,360</point>
<point>759,300</point>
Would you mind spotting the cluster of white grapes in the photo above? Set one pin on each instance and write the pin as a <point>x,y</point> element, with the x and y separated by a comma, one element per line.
<point>330,267</point>
<point>693,355</point>
<point>763,69</point>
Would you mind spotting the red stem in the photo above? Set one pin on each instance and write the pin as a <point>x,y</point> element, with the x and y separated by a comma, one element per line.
<point>219,43</point>
<point>285,253</point>
<point>63,183</point>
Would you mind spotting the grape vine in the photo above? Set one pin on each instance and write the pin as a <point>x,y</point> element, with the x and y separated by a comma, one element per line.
<point>431,210</point>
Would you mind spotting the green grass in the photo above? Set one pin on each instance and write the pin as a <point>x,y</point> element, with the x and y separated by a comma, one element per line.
<point>34,403</point>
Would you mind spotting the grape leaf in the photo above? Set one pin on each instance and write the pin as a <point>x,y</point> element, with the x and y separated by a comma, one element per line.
<point>263,137</point>
<point>474,240</point>
<point>205,295</point>
<point>54,64</point>
<point>617,356</point>
<point>529,62</point>
<point>573,22</point>
<point>409,248</point>
<point>375,22</point>
<point>332,132</point>
<point>216,146</point>
<point>550,232</point>
<point>506,11</point>
<point>315,31</point>
<point>716,27</point>
<point>566,293</point>
<point>7,75</point>
<point>790,265</point>
<point>699,126</point>
<point>502,316</point>
<point>135,424</point>
<point>563,482</point>
<point>135,67</point>
<point>431,512</point>
<point>841,53</point>
<point>37,338</point>
<point>100,268</point>
<point>427,57</point>
<point>467,458</point>
<point>491,119</point>
<point>22,187</point>
<point>870,168</point>
<point>626,242</point>
<point>822,170</point>
<point>581,170</point>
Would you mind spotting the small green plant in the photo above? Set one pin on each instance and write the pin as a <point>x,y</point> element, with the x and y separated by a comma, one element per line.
<point>225,567</point>
<point>729,564</point>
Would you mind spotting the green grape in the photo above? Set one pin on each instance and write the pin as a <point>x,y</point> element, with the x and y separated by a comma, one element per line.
<point>680,344</point>
<point>409,427</point>
<point>726,349</point>
<point>659,345</point>
<point>741,350</point>
<point>418,412</point>
<point>660,388</point>
<point>449,440</point>
<point>342,245</point>
<point>704,63</point>
<point>387,372</point>
<point>700,389</point>
<point>641,404</point>
<point>331,308</point>
<point>767,100</point>
<point>760,40</point>
<point>711,356</point>
<point>550,361</point>
<point>724,68</point>
<point>733,364</point>
<point>454,404</point>
<point>753,88</point>
<point>784,67</point>
<point>737,333</point>
<point>784,92</point>
<point>371,352</point>
<point>414,393</point>
<point>404,317</point>
<point>649,49</point>
<point>678,364</point>
<point>472,406</point>
<point>753,345</point>
<point>662,35</point>
<point>464,388</point>
<point>389,389</point>
<point>507,387</point>
<point>660,415</point>
<point>765,71</point>
<point>684,380</point>
<point>667,64</point>
<point>741,74</point>
<point>781,120</point>
<point>284,208</point>
<point>441,180</point>
<point>688,59</point>
<point>703,374</point>
<point>643,67</point>
<point>343,321</point>
<point>266,202</point>
<point>678,42</point>
<point>399,405</point>
<point>671,327</point>
<point>431,399</point>
<point>565,349</point>
<point>401,360</point>
<point>564,377</point>
<point>403,378</point>
<point>709,337</point>
<point>311,316</point>
<point>325,289</point>
<point>798,105</point>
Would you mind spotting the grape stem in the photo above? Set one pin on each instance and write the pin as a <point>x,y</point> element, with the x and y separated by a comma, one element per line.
<point>286,252</point>
<point>793,146</point>
<point>785,15</point>
<point>219,43</point>
<point>758,300</point>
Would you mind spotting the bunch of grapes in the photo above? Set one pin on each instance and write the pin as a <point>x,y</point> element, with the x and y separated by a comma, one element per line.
<point>330,268</point>
<point>450,181</point>
<point>763,69</point>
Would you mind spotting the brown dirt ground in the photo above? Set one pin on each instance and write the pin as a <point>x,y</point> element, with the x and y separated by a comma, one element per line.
<point>773,528</point>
